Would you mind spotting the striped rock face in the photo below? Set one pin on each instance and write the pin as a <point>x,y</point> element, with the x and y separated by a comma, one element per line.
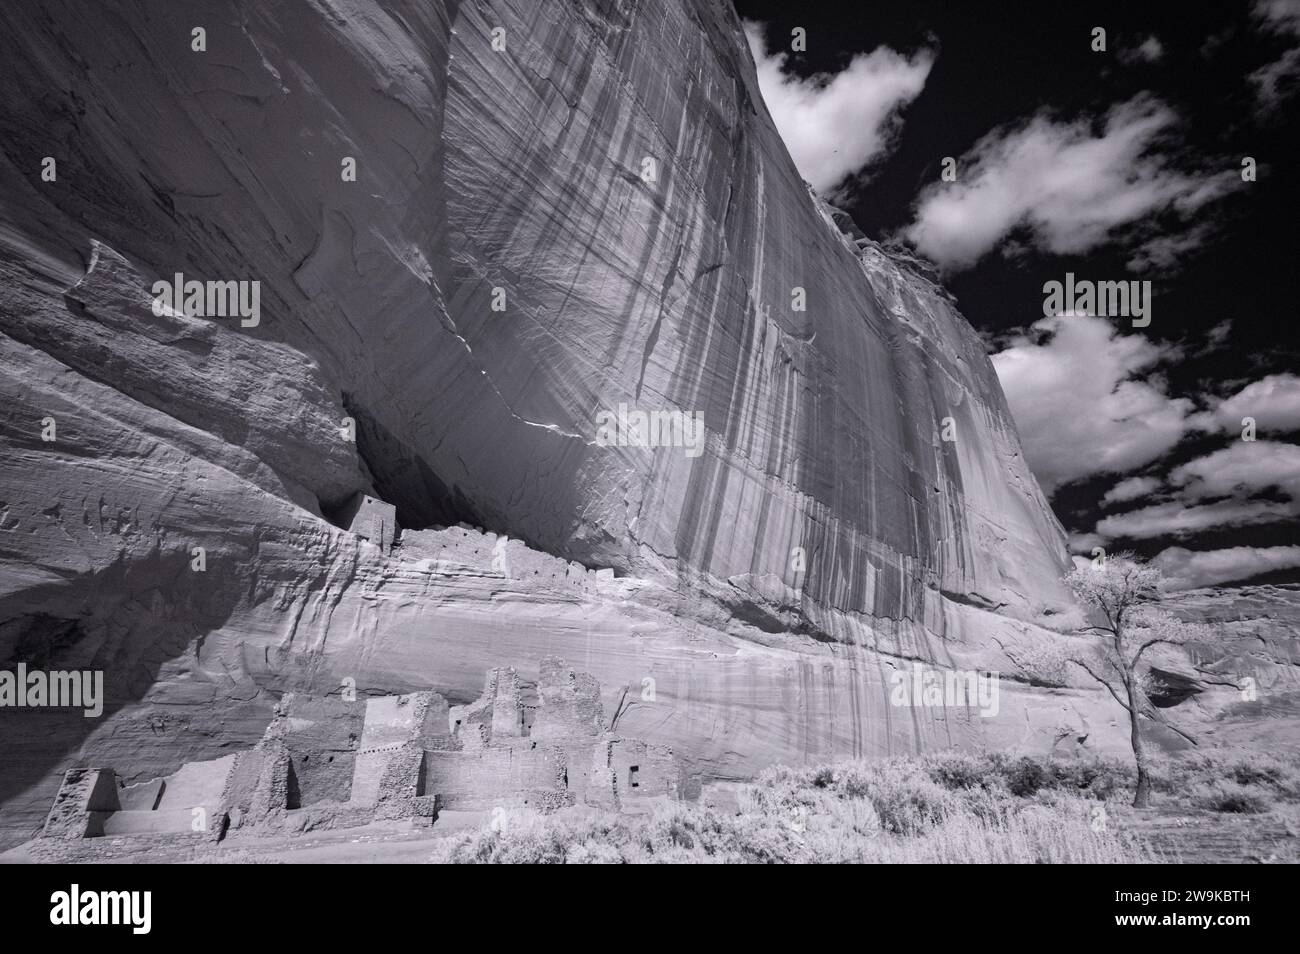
<point>544,268</point>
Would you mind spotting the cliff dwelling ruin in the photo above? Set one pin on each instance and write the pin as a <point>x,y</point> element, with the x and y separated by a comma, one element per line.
<point>327,762</point>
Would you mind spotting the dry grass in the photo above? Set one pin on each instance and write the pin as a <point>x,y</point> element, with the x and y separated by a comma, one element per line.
<point>947,808</point>
<point>940,809</point>
<point>1229,782</point>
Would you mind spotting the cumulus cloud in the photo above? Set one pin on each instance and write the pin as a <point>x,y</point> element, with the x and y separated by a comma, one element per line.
<point>1187,569</point>
<point>1089,400</point>
<point>1216,336</point>
<point>1280,16</point>
<point>1072,387</point>
<point>1275,81</point>
<point>1163,253</point>
<point>1131,489</point>
<point>1215,491</point>
<point>1177,519</point>
<point>1068,187</point>
<point>1273,402</point>
<point>1242,467</point>
<point>835,125</point>
<point>1150,50</point>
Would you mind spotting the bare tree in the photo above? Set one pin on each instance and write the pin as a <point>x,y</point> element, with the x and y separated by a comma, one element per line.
<point>1125,592</point>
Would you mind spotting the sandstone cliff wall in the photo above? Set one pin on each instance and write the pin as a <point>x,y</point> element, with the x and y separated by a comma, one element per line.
<point>522,170</point>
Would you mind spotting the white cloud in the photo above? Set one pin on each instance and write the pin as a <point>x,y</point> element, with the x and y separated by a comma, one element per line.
<point>1187,569</point>
<point>1242,467</point>
<point>1275,81</point>
<point>1280,16</point>
<point>1273,402</point>
<point>1217,335</point>
<point>1177,519</point>
<point>1069,187</point>
<point>1131,489</point>
<point>1272,81</point>
<point>834,125</point>
<point>1088,400</point>
<point>1162,253</point>
<point>1078,407</point>
<point>1236,472</point>
<point>1150,50</point>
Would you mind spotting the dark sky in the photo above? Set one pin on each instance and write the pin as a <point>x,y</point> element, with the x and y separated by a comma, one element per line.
<point>998,64</point>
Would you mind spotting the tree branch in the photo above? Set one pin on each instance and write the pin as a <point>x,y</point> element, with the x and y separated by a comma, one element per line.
<point>1109,688</point>
<point>1148,644</point>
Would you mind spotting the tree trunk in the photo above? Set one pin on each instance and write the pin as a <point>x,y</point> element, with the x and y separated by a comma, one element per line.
<point>1142,797</point>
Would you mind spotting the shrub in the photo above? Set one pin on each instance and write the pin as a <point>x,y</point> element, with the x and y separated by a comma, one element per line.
<point>1204,772</point>
<point>1036,833</point>
<point>1097,778</point>
<point>1263,769</point>
<point>1232,797</point>
<point>941,807</point>
<point>958,770</point>
<point>1025,777</point>
<point>823,777</point>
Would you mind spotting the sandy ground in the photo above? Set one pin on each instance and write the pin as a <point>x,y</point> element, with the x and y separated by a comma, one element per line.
<point>1202,837</point>
<point>1180,836</point>
<point>378,843</point>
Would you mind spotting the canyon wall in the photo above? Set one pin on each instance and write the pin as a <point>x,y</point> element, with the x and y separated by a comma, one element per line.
<point>558,208</point>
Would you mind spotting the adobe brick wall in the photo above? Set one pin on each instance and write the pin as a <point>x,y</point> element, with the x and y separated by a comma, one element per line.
<point>504,711</point>
<point>484,552</point>
<point>325,762</point>
<point>197,784</point>
<point>141,797</point>
<point>570,706</point>
<point>367,773</point>
<point>272,791</point>
<point>642,772</point>
<point>397,732</point>
<point>321,735</point>
<point>401,788</point>
<point>372,519</point>
<point>563,755</point>
<point>509,773</point>
<point>416,716</point>
<point>85,797</point>
<point>241,784</point>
